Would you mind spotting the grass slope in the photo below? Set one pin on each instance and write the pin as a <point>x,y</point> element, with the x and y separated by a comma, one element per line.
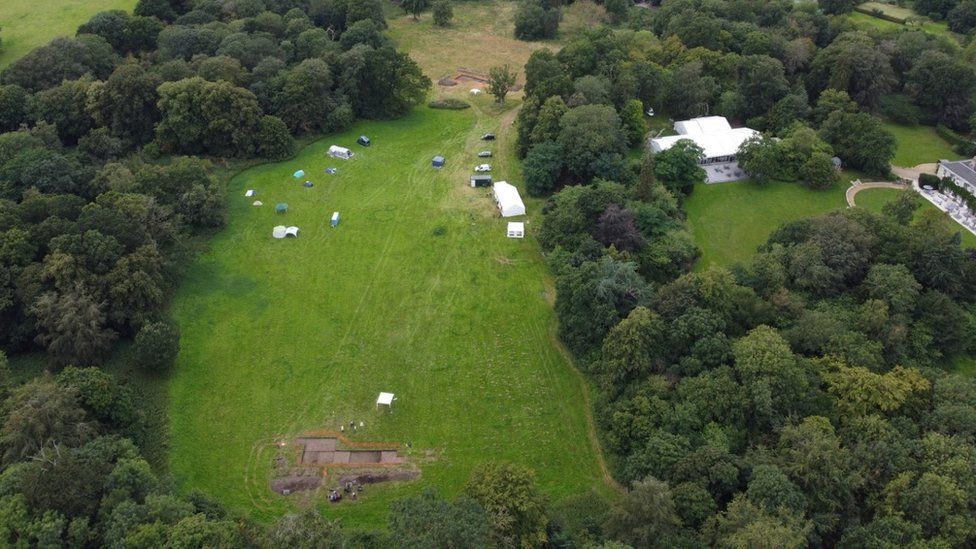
<point>875,199</point>
<point>730,220</point>
<point>27,24</point>
<point>919,145</point>
<point>285,336</point>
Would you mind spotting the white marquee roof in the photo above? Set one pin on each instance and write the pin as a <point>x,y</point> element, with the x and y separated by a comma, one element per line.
<point>509,201</point>
<point>704,124</point>
<point>386,399</point>
<point>724,143</point>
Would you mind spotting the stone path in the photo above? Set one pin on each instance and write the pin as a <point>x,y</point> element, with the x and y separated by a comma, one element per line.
<point>857,186</point>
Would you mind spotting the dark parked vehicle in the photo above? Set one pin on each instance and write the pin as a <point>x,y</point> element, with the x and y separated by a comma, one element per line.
<point>488,137</point>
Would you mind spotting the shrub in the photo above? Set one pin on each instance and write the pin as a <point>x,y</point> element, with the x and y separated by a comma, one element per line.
<point>156,346</point>
<point>443,13</point>
<point>449,103</point>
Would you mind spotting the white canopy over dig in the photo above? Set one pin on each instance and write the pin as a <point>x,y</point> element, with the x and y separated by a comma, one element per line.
<point>385,399</point>
<point>279,231</point>
<point>508,199</point>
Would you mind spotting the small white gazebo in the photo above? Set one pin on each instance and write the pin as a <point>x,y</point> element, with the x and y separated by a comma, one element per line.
<point>385,399</point>
<point>516,229</point>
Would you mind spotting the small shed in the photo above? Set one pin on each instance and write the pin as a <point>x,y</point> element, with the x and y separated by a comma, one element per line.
<point>385,399</point>
<point>363,140</point>
<point>336,151</point>
<point>281,208</point>
<point>437,162</point>
<point>299,173</point>
<point>291,231</point>
<point>279,231</point>
<point>516,229</point>
<point>335,219</point>
<point>481,181</point>
<point>508,199</point>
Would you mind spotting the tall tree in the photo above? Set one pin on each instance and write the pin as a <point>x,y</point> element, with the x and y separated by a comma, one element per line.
<point>72,326</point>
<point>500,80</point>
<point>514,504</point>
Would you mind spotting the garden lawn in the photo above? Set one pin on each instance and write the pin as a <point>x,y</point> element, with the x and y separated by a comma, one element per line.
<point>417,292</point>
<point>875,199</point>
<point>730,220</point>
<point>27,24</point>
<point>919,145</point>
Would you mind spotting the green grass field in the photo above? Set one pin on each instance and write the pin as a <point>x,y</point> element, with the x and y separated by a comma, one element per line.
<point>868,22</point>
<point>875,199</point>
<point>417,292</point>
<point>730,220</point>
<point>919,145</point>
<point>27,24</point>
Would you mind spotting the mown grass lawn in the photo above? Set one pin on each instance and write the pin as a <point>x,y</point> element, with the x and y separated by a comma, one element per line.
<point>866,21</point>
<point>27,24</point>
<point>919,145</point>
<point>875,199</point>
<point>417,292</point>
<point>730,220</point>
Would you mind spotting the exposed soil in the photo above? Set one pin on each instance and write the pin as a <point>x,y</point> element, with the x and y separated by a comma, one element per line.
<point>294,484</point>
<point>374,477</point>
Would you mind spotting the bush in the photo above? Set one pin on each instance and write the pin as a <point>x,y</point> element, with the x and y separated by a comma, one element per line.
<point>449,103</point>
<point>535,22</point>
<point>156,346</point>
<point>443,13</point>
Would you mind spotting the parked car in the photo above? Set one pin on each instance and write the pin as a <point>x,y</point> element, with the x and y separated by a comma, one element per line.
<point>482,168</point>
<point>484,154</point>
<point>488,137</point>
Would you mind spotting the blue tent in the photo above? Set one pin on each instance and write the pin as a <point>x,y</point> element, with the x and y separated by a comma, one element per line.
<point>331,170</point>
<point>299,173</point>
<point>308,183</point>
<point>438,161</point>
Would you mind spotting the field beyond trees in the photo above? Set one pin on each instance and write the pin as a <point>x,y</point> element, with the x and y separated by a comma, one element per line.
<point>27,24</point>
<point>417,292</point>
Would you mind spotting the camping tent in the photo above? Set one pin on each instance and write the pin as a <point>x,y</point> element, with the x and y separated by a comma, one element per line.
<point>385,399</point>
<point>281,208</point>
<point>438,161</point>
<point>258,203</point>
<point>336,151</point>
<point>291,231</point>
<point>279,231</point>
<point>516,229</point>
<point>508,199</point>
<point>250,192</point>
<point>299,173</point>
<point>335,219</point>
<point>475,91</point>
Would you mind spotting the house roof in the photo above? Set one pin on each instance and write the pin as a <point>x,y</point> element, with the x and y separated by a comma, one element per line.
<point>962,169</point>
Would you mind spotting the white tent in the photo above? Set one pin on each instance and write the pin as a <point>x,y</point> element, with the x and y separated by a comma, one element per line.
<point>704,124</point>
<point>385,399</point>
<point>516,229</point>
<point>279,231</point>
<point>336,151</point>
<point>475,91</point>
<point>250,192</point>
<point>291,231</point>
<point>508,199</point>
<point>257,203</point>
